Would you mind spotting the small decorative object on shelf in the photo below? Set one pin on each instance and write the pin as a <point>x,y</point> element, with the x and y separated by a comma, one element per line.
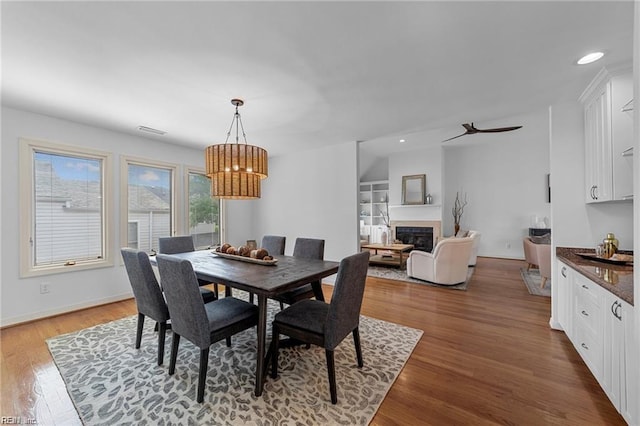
<point>428,199</point>
<point>610,245</point>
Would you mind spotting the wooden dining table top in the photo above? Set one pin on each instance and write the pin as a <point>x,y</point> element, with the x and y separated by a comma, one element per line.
<point>288,273</point>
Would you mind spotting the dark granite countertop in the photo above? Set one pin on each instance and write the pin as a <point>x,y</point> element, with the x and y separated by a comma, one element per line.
<point>615,278</point>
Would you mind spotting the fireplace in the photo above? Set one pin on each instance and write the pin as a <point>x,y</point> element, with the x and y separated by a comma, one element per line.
<point>420,236</point>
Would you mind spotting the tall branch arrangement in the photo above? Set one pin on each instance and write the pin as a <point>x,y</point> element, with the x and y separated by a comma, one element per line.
<point>385,213</point>
<point>458,209</point>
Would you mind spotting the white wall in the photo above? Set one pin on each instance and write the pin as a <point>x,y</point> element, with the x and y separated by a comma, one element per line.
<point>372,168</point>
<point>310,194</point>
<point>504,177</point>
<point>426,161</point>
<point>20,297</point>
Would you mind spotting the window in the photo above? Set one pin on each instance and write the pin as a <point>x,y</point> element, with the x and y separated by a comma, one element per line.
<point>64,201</point>
<point>132,235</point>
<point>204,211</point>
<point>149,203</point>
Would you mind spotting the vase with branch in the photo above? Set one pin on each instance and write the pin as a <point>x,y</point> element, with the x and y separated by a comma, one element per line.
<point>384,213</point>
<point>457,210</point>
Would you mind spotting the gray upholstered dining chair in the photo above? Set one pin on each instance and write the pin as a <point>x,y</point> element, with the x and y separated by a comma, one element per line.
<point>183,244</point>
<point>327,324</point>
<point>201,324</point>
<point>274,244</point>
<point>148,295</point>
<point>307,248</point>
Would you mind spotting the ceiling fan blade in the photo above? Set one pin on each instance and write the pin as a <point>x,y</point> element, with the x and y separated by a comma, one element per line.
<point>498,129</point>
<point>455,137</point>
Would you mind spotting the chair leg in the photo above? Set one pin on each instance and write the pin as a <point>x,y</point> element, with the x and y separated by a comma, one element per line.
<point>162,332</point>
<point>281,306</point>
<point>202,375</point>
<point>251,298</point>
<point>356,342</point>
<point>139,330</point>
<point>331,370</point>
<point>228,341</point>
<point>215,290</point>
<point>174,353</point>
<point>544,281</point>
<point>275,339</point>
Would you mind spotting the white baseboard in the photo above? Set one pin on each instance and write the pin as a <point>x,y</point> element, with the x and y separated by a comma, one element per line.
<point>6,322</point>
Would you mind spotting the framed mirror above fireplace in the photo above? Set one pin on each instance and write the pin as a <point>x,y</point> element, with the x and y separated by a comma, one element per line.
<point>413,189</point>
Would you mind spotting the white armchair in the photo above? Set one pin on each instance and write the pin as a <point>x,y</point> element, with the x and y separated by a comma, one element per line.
<point>447,264</point>
<point>475,236</point>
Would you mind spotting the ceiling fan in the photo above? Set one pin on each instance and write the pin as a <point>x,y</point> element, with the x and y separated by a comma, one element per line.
<point>471,130</point>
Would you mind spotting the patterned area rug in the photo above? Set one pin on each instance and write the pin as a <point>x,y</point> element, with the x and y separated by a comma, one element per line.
<point>532,280</point>
<point>401,275</point>
<point>110,382</point>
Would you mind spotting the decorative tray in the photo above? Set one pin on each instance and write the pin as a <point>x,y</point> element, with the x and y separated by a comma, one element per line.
<point>618,258</point>
<point>246,259</point>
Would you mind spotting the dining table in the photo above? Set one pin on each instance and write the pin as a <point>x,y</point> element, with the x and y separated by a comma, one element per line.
<point>264,281</point>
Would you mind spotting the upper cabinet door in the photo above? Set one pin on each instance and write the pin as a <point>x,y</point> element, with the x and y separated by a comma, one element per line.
<point>608,136</point>
<point>598,168</point>
<point>622,136</point>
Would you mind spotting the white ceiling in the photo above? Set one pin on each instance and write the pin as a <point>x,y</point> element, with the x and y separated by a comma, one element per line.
<point>311,73</point>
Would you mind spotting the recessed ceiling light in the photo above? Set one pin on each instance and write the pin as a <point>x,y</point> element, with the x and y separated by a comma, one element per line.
<point>591,57</point>
<point>402,141</point>
<point>151,130</point>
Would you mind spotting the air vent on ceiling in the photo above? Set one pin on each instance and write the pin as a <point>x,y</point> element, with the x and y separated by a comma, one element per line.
<point>151,130</point>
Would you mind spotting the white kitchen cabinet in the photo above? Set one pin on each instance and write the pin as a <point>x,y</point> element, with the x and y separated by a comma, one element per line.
<point>618,325</point>
<point>601,327</point>
<point>608,127</point>
<point>565,298</point>
<point>588,322</point>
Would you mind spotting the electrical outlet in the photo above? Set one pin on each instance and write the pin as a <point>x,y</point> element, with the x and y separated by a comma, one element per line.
<point>44,288</point>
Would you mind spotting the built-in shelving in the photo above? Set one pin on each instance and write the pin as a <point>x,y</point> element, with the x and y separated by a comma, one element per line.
<point>414,205</point>
<point>374,204</point>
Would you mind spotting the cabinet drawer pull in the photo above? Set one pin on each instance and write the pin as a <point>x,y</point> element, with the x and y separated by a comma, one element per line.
<point>584,286</point>
<point>563,272</point>
<point>615,310</point>
<point>586,314</point>
<point>584,346</point>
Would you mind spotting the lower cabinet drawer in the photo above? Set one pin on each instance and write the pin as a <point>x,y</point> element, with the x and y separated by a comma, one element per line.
<point>588,311</point>
<point>590,346</point>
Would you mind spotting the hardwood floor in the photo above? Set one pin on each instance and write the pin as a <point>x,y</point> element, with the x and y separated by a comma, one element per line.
<point>487,356</point>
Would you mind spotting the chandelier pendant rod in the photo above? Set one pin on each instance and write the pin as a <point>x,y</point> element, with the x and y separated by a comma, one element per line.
<point>238,120</point>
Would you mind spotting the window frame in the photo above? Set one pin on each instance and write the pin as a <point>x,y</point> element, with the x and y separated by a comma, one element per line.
<point>176,213</point>
<point>28,149</point>
<point>221,211</point>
